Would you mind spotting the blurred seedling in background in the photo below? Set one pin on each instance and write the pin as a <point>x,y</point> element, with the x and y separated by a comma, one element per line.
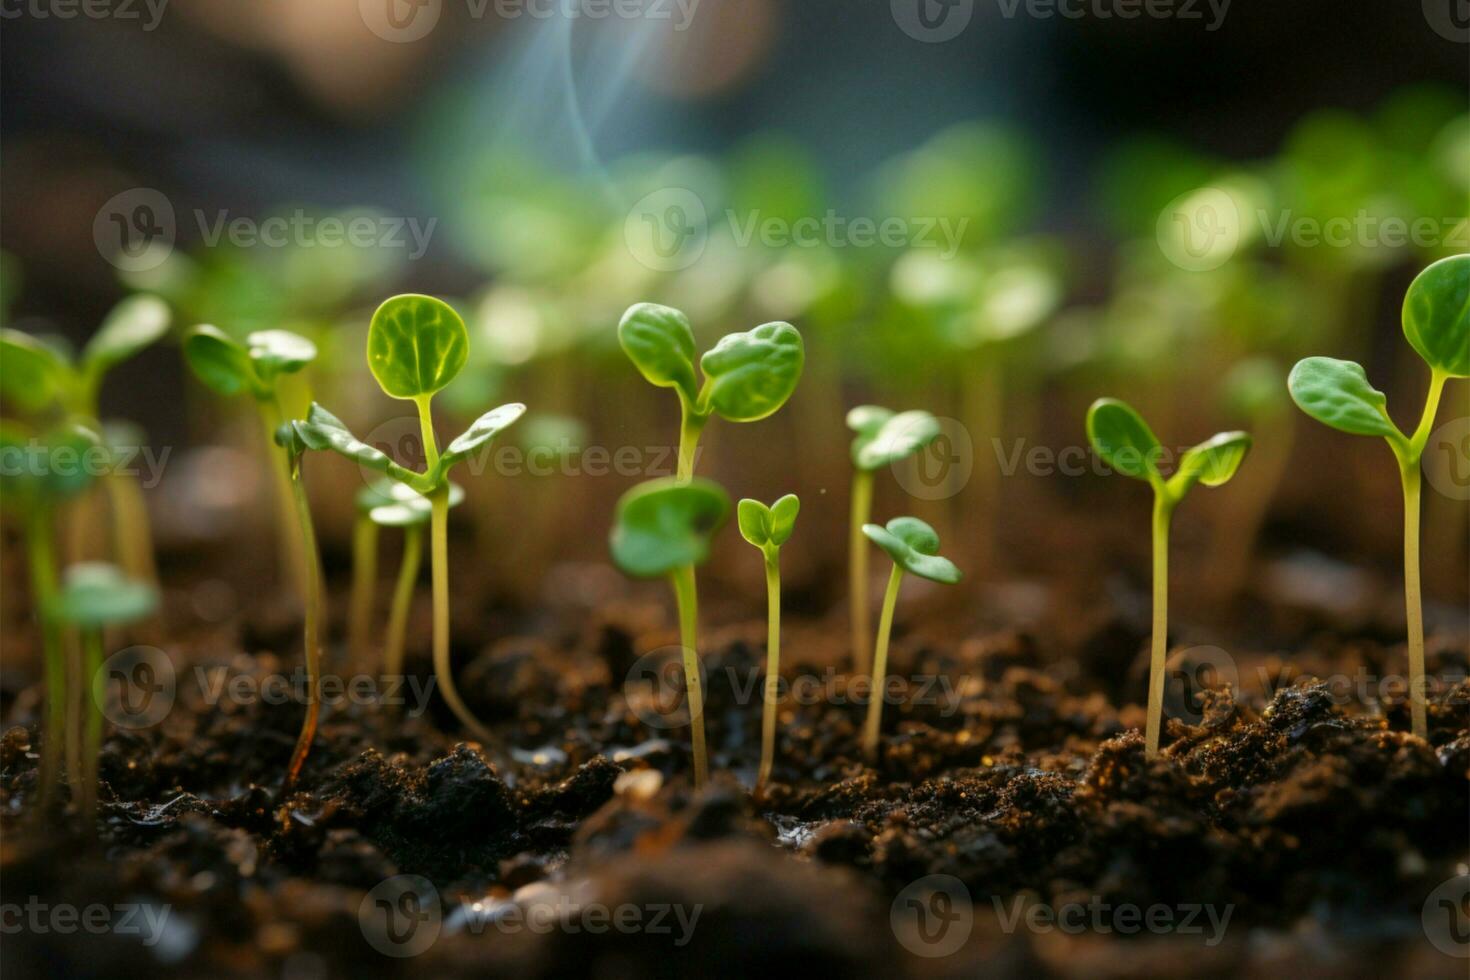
<point>93,597</point>
<point>1125,442</point>
<point>41,374</point>
<point>914,548</point>
<point>663,528</point>
<point>50,471</point>
<point>416,346</point>
<point>256,367</point>
<point>747,376</point>
<point>1436,320</point>
<point>883,438</point>
<point>768,528</point>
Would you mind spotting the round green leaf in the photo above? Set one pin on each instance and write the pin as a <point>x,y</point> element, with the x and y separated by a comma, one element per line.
<point>277,352</point>
<point>416,345</point>
<point>31,373</point>
<point>769,526</point>
<point>97,594</point>
<point>1123,439</point>
<point>660,343</point>
<point>884,438</point>
<point>220,362</point>
<point>914,547</point>
<point>1213,462</point>
<point>407,507</point>
<point>663,525</point>
<point>1337,393</point>
<point>750,375</point>
<point>1437,315</point>
<point>478,435</point>
<point>133,324</point>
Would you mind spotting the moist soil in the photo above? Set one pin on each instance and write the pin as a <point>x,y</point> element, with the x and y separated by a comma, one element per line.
<point>1287,827</point>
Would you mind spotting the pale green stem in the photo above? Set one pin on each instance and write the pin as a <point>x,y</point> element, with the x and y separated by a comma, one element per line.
<point>130,527</point>
<point>76,775</point>
<point>1159,640</point>
<point>690,426</point>
<point>880,667</point>
<point>312,574</point>
<point>857,568</point>
<point>408,576</point>
<point>42,559</point>
<point>91,761</point>
<point>293,552</point>
<point>773,666</point>
<point>1413,481</point>
<point>364,582</point>
<point>686,596</point>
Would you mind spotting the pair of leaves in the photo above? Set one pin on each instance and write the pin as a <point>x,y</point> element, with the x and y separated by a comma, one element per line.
<point>44,470</point>
<point>914,546</point>
<point>98,594</point>
<point>228,367</point>
<point>884,438</point>
<point>1436,321</point>
<point>34,372</point>
<point>768,527</point>
<point>1126,443</point>
<point>664,525</point>
<point>747,376</point>
<point>389,503</point>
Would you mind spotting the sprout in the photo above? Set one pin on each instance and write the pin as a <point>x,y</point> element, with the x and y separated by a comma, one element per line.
<point>1125,442</point>
<point>410,510</point>
<point>914,548</point>
<point>32,492</point>
<point>94,596</point>
<point>747,376</point>
<point>1436,319</point>
<point>768,528</point>
<point>883,438</point>
<point>663,527</point>
<point>229,368</point>
<point>416,346</point>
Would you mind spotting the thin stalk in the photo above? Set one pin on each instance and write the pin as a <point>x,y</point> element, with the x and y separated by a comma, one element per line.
<point>686,596</point>
<point>439,572</point>
<point>408,576</point>
<point>880,667</point>
<point>76,775</point>
<point>364,579</point>
<point>41,556</point>
<point>691,424</point>
<point>857,568</point>
<point>1413,481</point>
<point>292,550</point>
<point>130,527</point>
<point>1159,641</point>
<point>773,667</point>
<point>91,756</point>
<point>311,629</point>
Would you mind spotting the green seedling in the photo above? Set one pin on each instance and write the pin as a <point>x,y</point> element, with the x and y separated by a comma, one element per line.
<point>1436,320</point>
<point>747,376</point>
<point>410,510</point>
<point>364,568</point>
<point>94,596</point>
<point>39,374</point>
<point>768,528</point>
<point>416,346</point>
<point>256,367</point>
<point>663,528</point>
<point>914,548</point>
<point>883,438</point>
<point>38,476</point>
<point>1124,441</point>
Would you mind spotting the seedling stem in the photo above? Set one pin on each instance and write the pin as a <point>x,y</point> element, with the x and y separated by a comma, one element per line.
<point>364,578</point>
<point>1159,638</point>
<point>408,576</point>
<point>773,666</point>
<point>691,427</point>
<point>42,556</point>
<point>878,680</point>
<point>686,596</point>
<point>312,574</point>
<point>857,582</point>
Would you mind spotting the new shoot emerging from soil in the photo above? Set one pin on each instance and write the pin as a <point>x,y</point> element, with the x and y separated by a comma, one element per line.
<point>663,528</point>
<point>883,439</point>
<point>768,528</point>
<point>410,510</point>
<point>914,548</point>
<point>1436,318</point>
<point>747,376</point>
<point>1126,443</point>
<point>416,346</point>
